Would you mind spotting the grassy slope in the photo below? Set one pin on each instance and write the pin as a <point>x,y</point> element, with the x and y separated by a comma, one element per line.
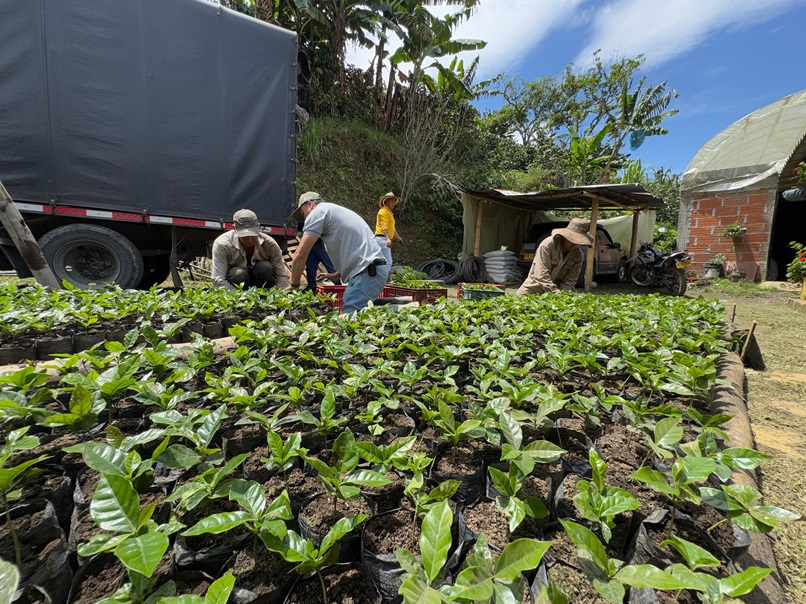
<point>353,165</point>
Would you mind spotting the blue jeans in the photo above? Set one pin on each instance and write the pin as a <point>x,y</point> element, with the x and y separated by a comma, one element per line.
<point>362,288</point>
<point>318,254</point>
<point>387,251</point>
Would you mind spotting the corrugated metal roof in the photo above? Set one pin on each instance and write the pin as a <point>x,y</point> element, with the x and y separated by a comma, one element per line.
<point>610,196</point>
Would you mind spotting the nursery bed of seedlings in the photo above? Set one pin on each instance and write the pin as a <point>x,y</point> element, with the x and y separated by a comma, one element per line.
<point>548,449</point>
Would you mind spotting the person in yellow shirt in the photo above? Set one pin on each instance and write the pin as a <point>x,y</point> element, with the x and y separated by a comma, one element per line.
<point>385,230</point>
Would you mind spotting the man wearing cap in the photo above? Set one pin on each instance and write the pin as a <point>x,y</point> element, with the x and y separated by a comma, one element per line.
<point>349,242</point>
<point>247,256</point>
<point>558,260</point>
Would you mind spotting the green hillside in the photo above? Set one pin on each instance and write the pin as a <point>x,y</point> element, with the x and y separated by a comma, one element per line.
<point>353,164</point>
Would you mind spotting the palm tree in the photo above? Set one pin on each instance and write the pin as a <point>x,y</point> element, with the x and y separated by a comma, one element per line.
<point>640,114</point>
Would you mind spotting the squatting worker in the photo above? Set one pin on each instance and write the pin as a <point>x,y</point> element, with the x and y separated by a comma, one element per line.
<point>247,256</point>
<point>350,244</point>
<point>558,260</point>
<point>385,230</point>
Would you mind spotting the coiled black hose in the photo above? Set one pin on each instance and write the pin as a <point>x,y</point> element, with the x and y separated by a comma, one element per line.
<point>441,270</point>
<point>471,270</point>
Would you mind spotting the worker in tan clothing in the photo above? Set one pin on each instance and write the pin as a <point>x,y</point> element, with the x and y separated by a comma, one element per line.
<point>558,260</point>
<point>247,256</point>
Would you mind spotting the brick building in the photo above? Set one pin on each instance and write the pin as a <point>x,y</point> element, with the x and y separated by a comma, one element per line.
<point>738,177</point>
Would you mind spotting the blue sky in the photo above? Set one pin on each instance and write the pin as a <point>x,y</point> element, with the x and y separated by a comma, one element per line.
<point>726,58</point>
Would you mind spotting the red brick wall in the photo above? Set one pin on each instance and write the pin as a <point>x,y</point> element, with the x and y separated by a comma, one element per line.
<point>712,212</point>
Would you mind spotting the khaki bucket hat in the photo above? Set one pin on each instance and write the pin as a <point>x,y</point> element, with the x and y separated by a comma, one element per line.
<point>576,232</point>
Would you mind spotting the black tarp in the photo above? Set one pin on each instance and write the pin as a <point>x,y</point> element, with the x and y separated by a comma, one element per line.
<point>176,107</point>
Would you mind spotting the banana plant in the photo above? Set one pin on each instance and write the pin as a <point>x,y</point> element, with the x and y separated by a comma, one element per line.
<point>304,553</point>
<point>600,503</point>
<point>611,576</point>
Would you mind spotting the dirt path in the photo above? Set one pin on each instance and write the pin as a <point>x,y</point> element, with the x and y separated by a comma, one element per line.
<point>777,401</point>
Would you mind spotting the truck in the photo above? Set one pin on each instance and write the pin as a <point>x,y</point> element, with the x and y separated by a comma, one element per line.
<point>131,130</point>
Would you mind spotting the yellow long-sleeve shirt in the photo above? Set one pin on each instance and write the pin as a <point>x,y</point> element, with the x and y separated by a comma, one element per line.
<point>386,220</point>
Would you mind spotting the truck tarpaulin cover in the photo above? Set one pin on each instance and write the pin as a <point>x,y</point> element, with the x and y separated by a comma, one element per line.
<point>182,108</point>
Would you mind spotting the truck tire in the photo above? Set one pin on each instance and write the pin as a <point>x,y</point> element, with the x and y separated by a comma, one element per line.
<point>156,269</point>
<point>92,257</point>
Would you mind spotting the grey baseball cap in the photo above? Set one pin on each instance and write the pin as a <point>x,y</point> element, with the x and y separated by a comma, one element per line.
<point>245,223</point>
<point>304,198</point>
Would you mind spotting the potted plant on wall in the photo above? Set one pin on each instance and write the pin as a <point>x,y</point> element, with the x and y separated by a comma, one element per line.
<point>735,231</point>
<point>713,268</point>
<point>797,193</point>
<point>796,270</point>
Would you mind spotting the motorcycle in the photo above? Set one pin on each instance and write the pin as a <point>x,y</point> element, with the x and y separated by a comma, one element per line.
<point>653,268</point>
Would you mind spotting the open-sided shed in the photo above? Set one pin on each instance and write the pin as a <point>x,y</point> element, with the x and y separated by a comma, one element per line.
<point>494,218</point>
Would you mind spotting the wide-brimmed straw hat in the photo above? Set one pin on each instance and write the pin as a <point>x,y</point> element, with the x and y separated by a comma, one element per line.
<point>576,232</point>
<point>385,197</point>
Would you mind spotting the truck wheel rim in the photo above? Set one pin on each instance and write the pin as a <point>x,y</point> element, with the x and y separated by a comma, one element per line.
<point>88,264</point>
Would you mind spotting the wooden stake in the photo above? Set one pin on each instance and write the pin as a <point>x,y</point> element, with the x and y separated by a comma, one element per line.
<point>477,240</point>
<point>591,250</point>
<point>733,314</point>
<point>177,280</point>
<point>634,234</point>
<point>747,340</point>
<point>25,242</point>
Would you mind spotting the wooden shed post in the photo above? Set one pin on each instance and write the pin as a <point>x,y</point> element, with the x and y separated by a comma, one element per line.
<point>590,254</point>
<point>25,242</point>
<point>477,240</point>
<point>634,237</point>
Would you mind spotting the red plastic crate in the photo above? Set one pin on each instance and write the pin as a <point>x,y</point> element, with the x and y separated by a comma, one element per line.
<point>423,296</point>
<point>500,286</point>
<point>338,290</point>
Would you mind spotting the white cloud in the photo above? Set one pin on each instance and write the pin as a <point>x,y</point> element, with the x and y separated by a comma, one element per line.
<point>664,30</point>
<point>511,28</point>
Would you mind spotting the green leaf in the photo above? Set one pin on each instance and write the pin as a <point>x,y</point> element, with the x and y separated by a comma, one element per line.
<point>744,494</point>
<point>654,479</point>
<point>9,580</point>
<point>519,556</point>
<point>444,490</point>
<point>115,505</point>
<point>695,556</point>
<point>646,575</point>
<point>368,478</point>
<point>743,459</point>
<point>339,530</point>
<point>217,523</point>
<point>743,583</point>
<point>220,589</point>
<point>585,540</point>
<point>179,456</point>
<point>435,539</point>
<point>616,501</point>
<point>510,429</point>
<point>472,584</point>
<point>668,432</point>
<point>9,475</point>
<point>599,467</point>
<point>612,591</point>
<point>543,451</point>
<point>100,543</point>
<point>105,459</point>
<point>370,452</point>
<point>142,554</point>
<point>697,469</point>
<point>249,494</point>
<point>416,591</point>
<point>80,401</point>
